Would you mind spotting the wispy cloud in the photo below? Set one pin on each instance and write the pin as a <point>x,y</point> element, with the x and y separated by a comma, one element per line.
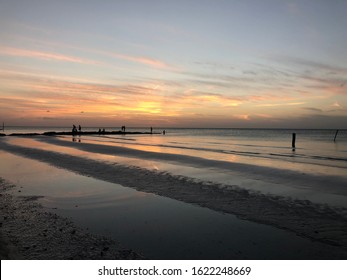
<point>142,60</point>
<point>312,109</point>
<point>209,99</point>
<point>245,117</point>
<point>43,55</point>
<point>280,104</point>
<point>314,73</point>
<point>310,64</point>
<point>336,104</point>
<point>41,94</point>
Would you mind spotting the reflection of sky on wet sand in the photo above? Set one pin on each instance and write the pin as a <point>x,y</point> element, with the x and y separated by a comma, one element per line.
<point>320,195</point>
<point>157,226</point>
<point>52,182</point>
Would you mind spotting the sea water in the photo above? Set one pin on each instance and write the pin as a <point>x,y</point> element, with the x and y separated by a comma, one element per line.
<point>258,159</point>
<point>312,145</point>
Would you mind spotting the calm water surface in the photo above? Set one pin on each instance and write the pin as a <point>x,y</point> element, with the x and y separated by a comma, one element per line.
<point>159,227</point>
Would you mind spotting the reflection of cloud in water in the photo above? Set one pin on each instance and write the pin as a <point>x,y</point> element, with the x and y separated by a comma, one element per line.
<point>297,180</point>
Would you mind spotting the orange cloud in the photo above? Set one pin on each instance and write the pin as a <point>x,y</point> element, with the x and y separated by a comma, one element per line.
<point>151,107</point>
<point>37,94</point>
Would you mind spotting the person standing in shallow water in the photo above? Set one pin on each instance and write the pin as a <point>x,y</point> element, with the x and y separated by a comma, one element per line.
<point>74,129</point>
<point>79,128</point>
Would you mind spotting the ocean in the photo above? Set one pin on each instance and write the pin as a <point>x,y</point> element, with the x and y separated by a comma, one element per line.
<point>272,147</point>
<point>232,156</point>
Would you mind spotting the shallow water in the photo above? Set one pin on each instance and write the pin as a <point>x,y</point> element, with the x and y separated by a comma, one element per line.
<point>315,153</point>
<point>276,181</point>
<point>159,227</point>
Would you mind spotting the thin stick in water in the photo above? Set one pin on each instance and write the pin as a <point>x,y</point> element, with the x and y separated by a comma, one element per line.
<point>337,131</point>
<point>293,140</point>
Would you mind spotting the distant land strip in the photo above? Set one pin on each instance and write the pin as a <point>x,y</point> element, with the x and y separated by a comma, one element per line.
<point>54,133</point>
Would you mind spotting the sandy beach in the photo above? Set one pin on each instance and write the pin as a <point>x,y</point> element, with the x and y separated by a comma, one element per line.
<point>28,231</point>
<point>324,225</point>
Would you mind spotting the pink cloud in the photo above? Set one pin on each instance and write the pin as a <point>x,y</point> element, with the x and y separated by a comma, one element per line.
<point>140,59</point>
<point>336,104</point>
<point>43,55</point>
<point>54,56</point>
<point>243,117</point>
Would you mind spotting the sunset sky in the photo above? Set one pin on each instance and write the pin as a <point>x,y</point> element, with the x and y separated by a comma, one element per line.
<point>207,63</point>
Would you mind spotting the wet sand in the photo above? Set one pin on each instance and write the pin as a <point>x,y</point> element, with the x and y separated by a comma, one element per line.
<point>321,223</point>
<point>29,231</point>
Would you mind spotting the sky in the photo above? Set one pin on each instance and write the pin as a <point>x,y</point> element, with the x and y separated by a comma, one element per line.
<point>206,63</point>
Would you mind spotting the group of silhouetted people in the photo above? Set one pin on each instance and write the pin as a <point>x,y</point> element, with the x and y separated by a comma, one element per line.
<point>101,131</point>
<point>74,129</point>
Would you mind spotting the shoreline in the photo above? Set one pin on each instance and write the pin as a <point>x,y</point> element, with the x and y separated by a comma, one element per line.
<point>29,231</point>
<point>317,222</point>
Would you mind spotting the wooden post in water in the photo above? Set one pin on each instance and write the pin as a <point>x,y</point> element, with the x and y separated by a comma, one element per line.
<point>293,140</point>
<point>337,131</point>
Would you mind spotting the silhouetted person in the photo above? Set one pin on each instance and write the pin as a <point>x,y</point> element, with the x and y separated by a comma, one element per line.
<point>163,132</point>
<point>79,128</point>
<point>99,131</point>
<point>74,129</point>
<point>103,130</point>
<point>151,130</point>
<point>123,128</point>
